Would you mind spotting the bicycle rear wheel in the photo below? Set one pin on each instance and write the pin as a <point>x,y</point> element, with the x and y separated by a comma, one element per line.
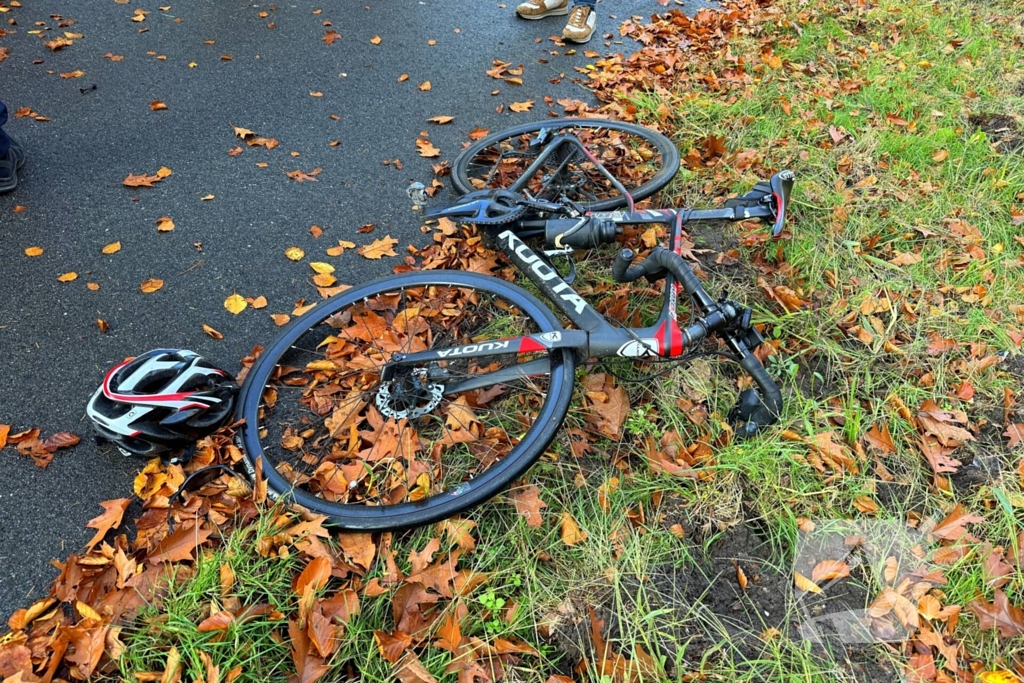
<point>643,160</point>
<point>381,455</point>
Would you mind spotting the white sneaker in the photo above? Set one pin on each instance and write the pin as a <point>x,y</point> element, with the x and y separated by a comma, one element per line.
<point>581,24</point>
<point>538,9</point>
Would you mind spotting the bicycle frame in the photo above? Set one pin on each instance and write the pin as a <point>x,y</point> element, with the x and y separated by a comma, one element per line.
<point>596,337</point>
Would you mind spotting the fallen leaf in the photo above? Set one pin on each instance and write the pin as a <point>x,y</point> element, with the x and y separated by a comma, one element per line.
<point>220,620</point>
<point>212,332</point>
<point>157,105</point>
<point>441,120</point>
<point>180,544</point>
<point>77,73</point>
<point>102,324</point>
<point>235,304</point>
<point>571,532</point>
<point>67,277</point>
<point>340,249</point>
<point>528,504</point>
<point>112,248</point>
<point>164,224</point>
<point>294,254</point>
<point>375,40</point>
<point>378,248</point>
<point>61,440</point>
<point>1015,433</point>
<point>520,107</point>
<point>151,285</point>
<point>829,570</point>
<point>424,86</point>
<point>280,318</point>
<point>403,78</point>
<point>998,614</point>
<point>33,251</point>
<point>940,155</point>
<point>113,511</point>
<point>321,267</point>
<point>805,584</point>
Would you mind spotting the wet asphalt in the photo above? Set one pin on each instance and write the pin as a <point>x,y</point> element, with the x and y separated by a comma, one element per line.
<point>216,65</point>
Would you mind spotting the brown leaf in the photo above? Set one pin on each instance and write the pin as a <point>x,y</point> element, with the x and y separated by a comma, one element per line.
<point>375,40</point>
<point>998,614</point>
<point>478,133</point>
<point>441,120</point>
<point>300,176</point>
<point>314,575</point>
<point>111,248</point>
<point>179,545</point>
<point>880,439</point>
<point>5,430</point>
<point>571,532</point>
<point>164,224</point>
<point>805,584</point>
<point>829,570</point>
<point>33,251</point>
<point>528,504</point>
<point>141,180</point>
<point>952,527</point>
<point>358,547</point>
<point>1015,434</point>
<point>520,107</point>
<point>151,285</point>
<point>212,332</point>
<point>60,440</point>
<point>157,105</point>
<point>411,670</point>
<point>113,511</point>
<point>424,86</point>
<point>392,646</point>
<point>218,621</point>
<point>321,633</point>
<point>378,248</point>
<point>67,277</point>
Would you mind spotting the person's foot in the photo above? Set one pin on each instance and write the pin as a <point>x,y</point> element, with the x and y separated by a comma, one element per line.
<point>581,24</point>
<point>538,9</point>
<point>9,165</point>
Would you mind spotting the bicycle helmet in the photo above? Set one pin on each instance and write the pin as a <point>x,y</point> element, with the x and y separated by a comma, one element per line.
<point>160,402</point>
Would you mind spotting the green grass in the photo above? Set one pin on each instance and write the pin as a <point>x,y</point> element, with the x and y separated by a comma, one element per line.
<point>842,238</point>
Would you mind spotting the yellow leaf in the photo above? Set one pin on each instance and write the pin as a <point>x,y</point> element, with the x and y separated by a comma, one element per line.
<point>34,251</point>
<point>805,584</point>
<point>259,302</point>
<point>280,318</point>
<point>294,253</point>
<point>87,612</point>
<point>299,310</point>
<point>164,172</point>
<point>235,303</point>
<point>112,248</point>
<point>151,285</point>
<point>571,532</point>
<point>375,40</point>
<point>321,267</point>
<point>1000,676</point>
<point>212,332</point>
<point>67,277</point>
<point>164,224</point>
<point>424,86</point>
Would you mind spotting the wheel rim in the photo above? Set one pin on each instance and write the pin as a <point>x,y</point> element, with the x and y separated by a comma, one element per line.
<point>322,426</point>
<point>633,158</point>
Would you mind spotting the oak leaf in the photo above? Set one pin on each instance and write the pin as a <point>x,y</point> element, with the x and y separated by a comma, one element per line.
<point>378,248</point>
<point>113,511</point>
<point>528,504</point>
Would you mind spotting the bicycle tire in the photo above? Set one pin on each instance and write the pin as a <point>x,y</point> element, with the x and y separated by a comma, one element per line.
<point>432,508</point>
<point>669,165</point>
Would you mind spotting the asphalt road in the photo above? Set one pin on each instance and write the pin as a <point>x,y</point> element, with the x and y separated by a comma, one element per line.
<point>53,354</point>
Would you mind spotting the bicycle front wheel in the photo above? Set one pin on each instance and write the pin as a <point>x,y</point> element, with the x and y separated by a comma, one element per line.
<point>380,455</point>
<point>643,160</point>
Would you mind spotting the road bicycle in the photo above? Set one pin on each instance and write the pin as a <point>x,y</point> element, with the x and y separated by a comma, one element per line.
<point>411,398</point>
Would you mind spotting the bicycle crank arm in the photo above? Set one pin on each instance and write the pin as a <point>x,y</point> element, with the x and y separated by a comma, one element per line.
<point>544,341</point>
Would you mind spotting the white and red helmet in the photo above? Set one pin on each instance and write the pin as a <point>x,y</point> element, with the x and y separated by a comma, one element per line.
<point>161,402</point>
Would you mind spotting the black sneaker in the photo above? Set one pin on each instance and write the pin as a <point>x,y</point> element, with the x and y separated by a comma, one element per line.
<point>9,165</point>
